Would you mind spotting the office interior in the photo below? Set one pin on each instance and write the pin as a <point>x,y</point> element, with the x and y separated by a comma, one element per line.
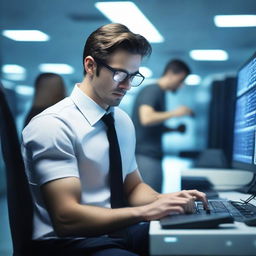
<point>183,26</point>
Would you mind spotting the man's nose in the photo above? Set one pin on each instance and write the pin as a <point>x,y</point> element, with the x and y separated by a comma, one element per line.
<point>126,84</point>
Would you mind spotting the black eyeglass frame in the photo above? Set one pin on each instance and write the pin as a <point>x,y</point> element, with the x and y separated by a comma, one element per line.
<point>114,70</point>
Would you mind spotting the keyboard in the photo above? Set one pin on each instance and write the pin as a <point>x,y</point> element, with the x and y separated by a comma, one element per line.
<point>238,210</point>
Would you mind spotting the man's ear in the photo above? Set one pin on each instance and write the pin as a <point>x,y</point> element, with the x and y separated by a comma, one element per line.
<point>89,65</point>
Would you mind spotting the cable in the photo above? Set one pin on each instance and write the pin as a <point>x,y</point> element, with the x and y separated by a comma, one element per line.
<point>248,199</point>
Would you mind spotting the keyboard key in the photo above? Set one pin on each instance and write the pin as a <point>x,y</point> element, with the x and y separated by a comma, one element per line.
<point>240,211</point>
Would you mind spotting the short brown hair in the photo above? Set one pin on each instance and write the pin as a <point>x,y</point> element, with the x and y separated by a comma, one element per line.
<point>108,38</point>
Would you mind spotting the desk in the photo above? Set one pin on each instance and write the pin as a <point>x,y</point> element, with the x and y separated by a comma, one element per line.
<point>228,239</point>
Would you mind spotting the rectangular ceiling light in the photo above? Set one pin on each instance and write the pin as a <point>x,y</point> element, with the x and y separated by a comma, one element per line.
<point>58,68</point>
<point>13,68</point>
<point>208,55</point>
<point>14,72</point>
<point>235,20</point>
<point>24,90</point>
<point>193,79</point>
<point>26,35</point>
<point>129,14</point>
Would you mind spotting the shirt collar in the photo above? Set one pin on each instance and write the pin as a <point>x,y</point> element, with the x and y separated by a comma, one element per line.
<point>89,108</point>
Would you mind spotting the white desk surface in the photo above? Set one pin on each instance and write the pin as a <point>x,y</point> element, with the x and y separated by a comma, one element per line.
<point>157,235</point>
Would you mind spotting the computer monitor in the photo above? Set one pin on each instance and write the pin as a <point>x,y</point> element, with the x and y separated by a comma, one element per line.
<point>244,134</point>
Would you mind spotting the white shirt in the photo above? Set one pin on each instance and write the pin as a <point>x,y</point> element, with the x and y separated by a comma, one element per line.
<point>69,140</point>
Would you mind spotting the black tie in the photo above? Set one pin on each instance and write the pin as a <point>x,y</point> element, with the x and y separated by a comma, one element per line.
<point>115,164</point>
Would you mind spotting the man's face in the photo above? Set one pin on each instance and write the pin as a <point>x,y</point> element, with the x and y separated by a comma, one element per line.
<point>107,92</point>
<point>176,80</point>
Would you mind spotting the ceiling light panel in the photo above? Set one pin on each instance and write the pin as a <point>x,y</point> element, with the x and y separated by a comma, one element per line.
<point>26,35</point>
<point>129,14</point>
<point>58,68</point>
<point>193,79</point>
<point>235,20</point>
<point>14,72</point>
<point>209,55</point>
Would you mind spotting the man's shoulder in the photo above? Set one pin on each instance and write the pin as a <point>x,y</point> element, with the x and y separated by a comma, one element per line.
<point>150,88</point>
<point>57,113</point>
<point>60,107</point>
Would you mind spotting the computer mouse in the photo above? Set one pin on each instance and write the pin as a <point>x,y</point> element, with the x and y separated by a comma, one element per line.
<point>250,221</point>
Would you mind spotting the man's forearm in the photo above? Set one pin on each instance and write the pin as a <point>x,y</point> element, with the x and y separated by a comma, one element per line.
<point>156,118</point>
<point>149,116</point>
<point>142,194</point>
<point>85,220</point>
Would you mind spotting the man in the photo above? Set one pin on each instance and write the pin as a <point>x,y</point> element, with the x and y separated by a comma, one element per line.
<point>67,155</point>
<point>149,115</point>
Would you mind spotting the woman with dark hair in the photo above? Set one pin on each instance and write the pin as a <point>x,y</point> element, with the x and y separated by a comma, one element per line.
<point>49,89</point>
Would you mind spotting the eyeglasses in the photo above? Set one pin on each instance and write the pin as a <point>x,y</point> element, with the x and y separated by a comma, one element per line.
<point>120,75</point>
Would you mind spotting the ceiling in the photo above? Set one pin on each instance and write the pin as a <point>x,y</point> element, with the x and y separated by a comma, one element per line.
<point>185,25</point>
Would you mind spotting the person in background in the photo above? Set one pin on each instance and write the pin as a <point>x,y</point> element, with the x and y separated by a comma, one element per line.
<point>49,89</point>
<point>149,114</point>
<point>72,156</point>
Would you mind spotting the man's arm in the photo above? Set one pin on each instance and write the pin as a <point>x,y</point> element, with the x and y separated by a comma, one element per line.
<point>149,116</point>
<point>140,193</point>
<point>72,218</point>
<point>180,128</point>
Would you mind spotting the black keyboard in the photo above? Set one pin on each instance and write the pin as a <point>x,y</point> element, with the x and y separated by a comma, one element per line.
<point>238,210</point>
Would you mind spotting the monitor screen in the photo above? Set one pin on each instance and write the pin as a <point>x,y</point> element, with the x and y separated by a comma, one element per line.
<point>244,140</point>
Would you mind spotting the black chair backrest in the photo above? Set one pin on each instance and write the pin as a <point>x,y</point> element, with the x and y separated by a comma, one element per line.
<point>19,199</point>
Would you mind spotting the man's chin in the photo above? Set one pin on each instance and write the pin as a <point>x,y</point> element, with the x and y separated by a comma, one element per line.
<point>115,102</point>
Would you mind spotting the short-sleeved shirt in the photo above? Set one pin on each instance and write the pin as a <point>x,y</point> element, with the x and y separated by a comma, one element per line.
<point>69,140</point>
<point>149,138</point>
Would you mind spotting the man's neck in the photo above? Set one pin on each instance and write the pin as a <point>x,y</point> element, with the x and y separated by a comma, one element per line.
<point>161,82</point>
<point>164,83</point>
<point>86,87</point>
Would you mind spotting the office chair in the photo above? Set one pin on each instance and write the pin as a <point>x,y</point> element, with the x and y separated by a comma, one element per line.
<point>19,198</point>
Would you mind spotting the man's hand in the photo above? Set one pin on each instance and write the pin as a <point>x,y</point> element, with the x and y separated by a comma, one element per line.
<point>181,128</point>
<point>178,202</point>
<point>183,111</point>
<point>164,206</point>
<point>195,194</point>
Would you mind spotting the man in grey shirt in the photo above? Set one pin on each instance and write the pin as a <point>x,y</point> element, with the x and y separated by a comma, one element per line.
<point>149,115</point>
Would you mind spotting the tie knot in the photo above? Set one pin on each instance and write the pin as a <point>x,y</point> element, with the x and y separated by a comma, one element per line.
<point>108,120</point>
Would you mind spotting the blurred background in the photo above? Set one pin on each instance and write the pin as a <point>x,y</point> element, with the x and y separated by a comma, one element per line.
<point>49,36</point>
